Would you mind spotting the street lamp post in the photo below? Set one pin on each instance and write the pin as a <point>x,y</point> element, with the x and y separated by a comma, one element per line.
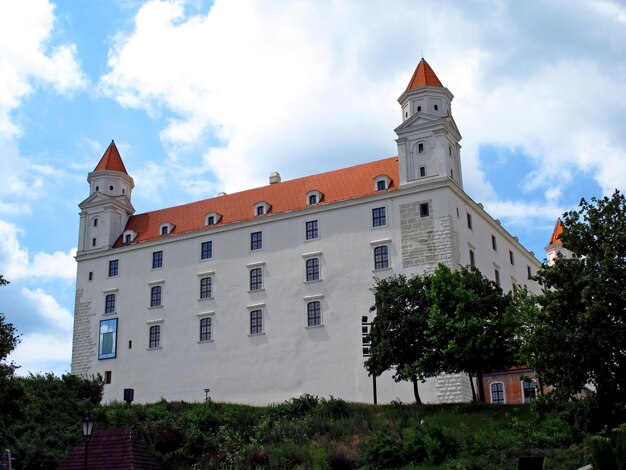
<point>367,342</point>
<point>87,428</point>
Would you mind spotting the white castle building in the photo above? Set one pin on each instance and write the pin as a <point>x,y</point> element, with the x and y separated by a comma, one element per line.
<point>259,295</point>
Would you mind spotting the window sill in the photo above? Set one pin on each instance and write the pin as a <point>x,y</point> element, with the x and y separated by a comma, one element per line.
<point>312,327</point>
<point>381,269</point>
<point>311,239</point>
<point>205,259</point>
<point>155,307</point>
<point>313,281</point>
<point>157,269</point>
<point>256,334</point>
<point>201,299</point>
<point>256,290</point>
<point>110,314</point>
<point>205,341</point>
<point>154,349</point>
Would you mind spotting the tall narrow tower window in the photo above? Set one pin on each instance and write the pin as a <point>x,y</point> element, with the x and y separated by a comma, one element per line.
<point>95,222</point>
<point>420,148</point>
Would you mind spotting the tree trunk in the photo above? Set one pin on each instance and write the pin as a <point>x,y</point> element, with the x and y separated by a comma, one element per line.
<point>416,392</point>
<point>473,389</point>
<point>481,387</point>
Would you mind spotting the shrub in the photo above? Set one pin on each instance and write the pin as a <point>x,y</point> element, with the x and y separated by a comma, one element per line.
<point>602,455</point>
<point>382,451</point>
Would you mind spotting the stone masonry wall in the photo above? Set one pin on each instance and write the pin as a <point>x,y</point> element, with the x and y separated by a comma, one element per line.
<point>453,388</point>
<point>425,243</point>
<point>84,347</point>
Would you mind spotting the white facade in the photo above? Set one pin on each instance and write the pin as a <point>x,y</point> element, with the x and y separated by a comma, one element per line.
<point>428,219</point>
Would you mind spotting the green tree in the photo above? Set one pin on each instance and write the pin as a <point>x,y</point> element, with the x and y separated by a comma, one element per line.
<point>10,389</point>
<point>446,322</point>
<point>579,334</point>
<point>472,326</point>
<point>397,332</point>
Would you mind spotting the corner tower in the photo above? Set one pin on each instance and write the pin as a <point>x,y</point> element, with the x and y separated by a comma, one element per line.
<point>428,138</point>
<point>105,212</point>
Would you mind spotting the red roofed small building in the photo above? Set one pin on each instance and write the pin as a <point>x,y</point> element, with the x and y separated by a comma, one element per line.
<point>111,449</point>
<point>258,295</point>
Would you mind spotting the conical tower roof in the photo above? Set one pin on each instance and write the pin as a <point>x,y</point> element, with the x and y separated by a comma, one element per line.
<point>111,160</point>
<point>556,234</point>
<point>423,76</point>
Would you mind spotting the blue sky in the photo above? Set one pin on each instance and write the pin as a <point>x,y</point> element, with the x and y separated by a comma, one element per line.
<point>203,97</point>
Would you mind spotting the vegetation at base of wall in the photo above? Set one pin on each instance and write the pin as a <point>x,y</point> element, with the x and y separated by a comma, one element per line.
<point>302,433</point>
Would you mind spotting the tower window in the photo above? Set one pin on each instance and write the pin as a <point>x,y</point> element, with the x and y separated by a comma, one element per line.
<point>419,108</point>
<point>312,269</point>
<point>422,171</point>
<point>450,150</point>
<point>155,296</point>
<point>256,279</point>
<point>496,273</point>
<point>114,267</point>
<point>314,313</point>
<point>108,339</point>
<point>436,108</point>
<point>420,148</point>
<point>155,337</point>
<point>472,258</point>
<point>424,210</point>
<point>110,188</point>
<point>312,232</point>
<point>406,114</point>
<point>256,241</point>
<point>97,188</point>
<point>381,257</point>
<point>109,303</point>
<point>494,243</point>
<point>469,221</point>
<point>93,242</point>
<point>256,322</point>
<point>205,329</point>
<point>379,217</point>
<point>206,288</point>
<point>91,275</point>
<point>157,259</point>
<point>511,257</point>
<point>95,222</point>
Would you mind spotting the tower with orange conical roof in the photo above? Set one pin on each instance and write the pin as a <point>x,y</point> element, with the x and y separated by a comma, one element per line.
<point>555,245</point>
<point>105,212</point>
<point>428,138</point>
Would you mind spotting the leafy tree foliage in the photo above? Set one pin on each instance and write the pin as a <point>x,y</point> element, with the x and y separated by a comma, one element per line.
<point>446,322</point>
<point>397,333</point>
<point>10,390</point>
<point>579,334</point>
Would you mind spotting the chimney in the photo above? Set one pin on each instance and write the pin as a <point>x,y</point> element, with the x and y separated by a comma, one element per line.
<point>274,177</point>
<point>221,194</point>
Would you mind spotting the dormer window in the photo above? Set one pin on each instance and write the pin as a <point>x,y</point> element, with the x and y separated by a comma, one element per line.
<point>128,236</point>
<point>166,228</point>
<point>382,182</point>
<point>212,218</point>
<point>313,197</point>
<point>261,208</point>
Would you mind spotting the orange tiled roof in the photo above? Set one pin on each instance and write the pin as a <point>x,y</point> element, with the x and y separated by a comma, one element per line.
<point>423,76</point>
<point>288,196</point>
<point>556,234</point>
<point>111,160</point>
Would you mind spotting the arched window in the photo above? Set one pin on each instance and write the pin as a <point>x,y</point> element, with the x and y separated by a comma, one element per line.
<point>109,303</point>
<point>314,313</point>
<point>155,337</point>
<point>497,393</point>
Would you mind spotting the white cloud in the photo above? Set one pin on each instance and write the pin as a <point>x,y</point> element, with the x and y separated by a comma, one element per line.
<point>48,308</point>
<point>284,83</point>
<point>39,352</point>
<point>28,58</point>
<point>16,262</point>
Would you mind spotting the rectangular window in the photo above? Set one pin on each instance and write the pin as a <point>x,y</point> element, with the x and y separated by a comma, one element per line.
<point>381,257</point>
<point>380,185</point>
<point>93,242</point>
<point>108,339</point>
<point>529,272</point>
<point>472,258</point>
<point>497,393</point>
<point>114,265</point>
<point>256,322</point>
<point>379,217</point>
<point>313,269</point>
<point>469,221</point>
<point>314,313</point>
<point>256,279</point>
<point>420,148</point>
<point>206,333</point>
<point>91,275</point>
<point>511,257</point>
<point>155,337</point>
<point>256,241</point>
<point>311,230</point>
<point>313,199</point>
<point>109,303</point>
<point>210,220</point>
<point>157,259</point>
<point>107,376</point>
<point>206,251</point>
<point>260,210</point>
<point>127,238</point>
<point>206,288</point>
<point>494,243</point>
<point>155,296</point>
<point>422,171</point>
<point>164,230</point>
<point>497,276</point>
<point>424,212</point>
